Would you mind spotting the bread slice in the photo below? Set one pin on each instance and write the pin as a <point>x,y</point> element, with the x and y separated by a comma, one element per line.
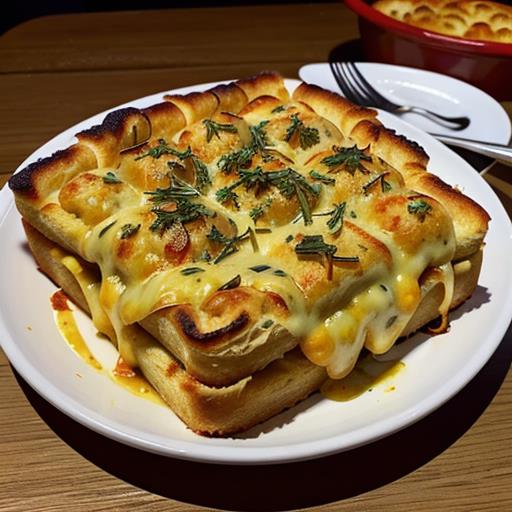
<point>227,410</point>
<point>235,224</point>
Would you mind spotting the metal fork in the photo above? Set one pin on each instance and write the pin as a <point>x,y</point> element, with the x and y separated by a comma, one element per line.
<point>357,89</point>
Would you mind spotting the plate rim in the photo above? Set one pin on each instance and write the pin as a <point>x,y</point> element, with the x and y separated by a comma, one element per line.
<point>238,455</point>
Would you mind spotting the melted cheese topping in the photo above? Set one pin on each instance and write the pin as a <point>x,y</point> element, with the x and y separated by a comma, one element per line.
<point>334,307</point>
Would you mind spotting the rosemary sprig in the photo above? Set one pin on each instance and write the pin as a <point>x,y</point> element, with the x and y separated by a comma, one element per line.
<point>290,183</point>
<point>322,178</point>
<point>232,162</point>
<point>230,244</point>
<point>248,178</point>
<point>185,211</point>
<point>384,185</point>
<point>335,223</point>
<point>259,136</point>
<point>279,108</point>
<point>176,190</point>
<point>213,128</point>
<point>259,210</point>
<point>420,208</point>
<point>111,178</point>
<point>307,136</point>
<point>129,230</point>
<point>346,158</point>
<point>200,168</point>
<point>314,244</point>
<point>156,152</point>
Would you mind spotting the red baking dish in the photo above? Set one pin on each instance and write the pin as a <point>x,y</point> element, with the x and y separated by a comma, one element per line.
<point>488,65</point>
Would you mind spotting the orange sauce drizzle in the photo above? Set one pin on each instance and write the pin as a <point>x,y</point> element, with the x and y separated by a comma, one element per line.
<point>69,330</point>
<point>367,374</point>
<point>130,379</point>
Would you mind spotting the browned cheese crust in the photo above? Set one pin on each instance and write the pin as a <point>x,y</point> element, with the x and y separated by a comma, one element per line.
<point>469,19</point>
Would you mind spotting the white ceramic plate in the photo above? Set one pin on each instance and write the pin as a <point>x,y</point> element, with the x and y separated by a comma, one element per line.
<point>439,93</point>
<point>314,428</point>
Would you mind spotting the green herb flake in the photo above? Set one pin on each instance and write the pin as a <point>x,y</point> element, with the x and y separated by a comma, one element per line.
<point>185,211</point>
<point>230,244</point>
<point>280,273</point>
<point>278,109</point>
<point>353,214</point>
<point>191,270</point>
<point>288,239</point>
<point>420,208</point>
<point>308,136</point>
<point>346,159</point>
<point>315,244</point>
<point>260,268</point>
<point>322,178</point>
<point>391,320</point>
<point>176,190</point>
<point>110,178</point>
<point>335,223</point>
<point>213,128</point>
<point>129,230</point>
<point>106,228</point>
<point>267,323</point>
<point>232,283</point>
<point>384,185</point>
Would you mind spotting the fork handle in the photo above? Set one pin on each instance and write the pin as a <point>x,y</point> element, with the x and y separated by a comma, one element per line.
<point>454,123</point>
<point>497,151</point>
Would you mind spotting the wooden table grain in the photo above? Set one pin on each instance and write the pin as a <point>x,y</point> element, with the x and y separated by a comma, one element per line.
<point>58,70</point>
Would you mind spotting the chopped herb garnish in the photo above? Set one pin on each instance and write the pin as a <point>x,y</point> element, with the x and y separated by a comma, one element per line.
<point>106,228</point>
<point>353,214</point>
<point>322,177</point>
<point>111,178</point>
<point>267,323</point>
<point>384,287</point>
<point>259,210</point>
<point>232,162</point>
<point>213,128</point>
<point>185,211</point>
<point>335,223</point>
<point>226,194</point>
<point>176,190</point>
<point>315,245</point>
<point>128,230</point>
<point>279,108</point>
<point>156,152</point>
<point>200,168</point>
<point>288,239</point>
<point>307,136</point>
<point>260,268</point>
<point>420,208</point>
<point>290,183</point>
<point>346,159</point>
<point>232,283</point>
<point>230,244</point>
<point>384,185</point>
<point>191,270</point>
<point>259,136</point>
<point>280,273</point>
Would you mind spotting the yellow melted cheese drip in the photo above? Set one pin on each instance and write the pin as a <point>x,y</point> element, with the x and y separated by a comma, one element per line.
<point>373,318</point>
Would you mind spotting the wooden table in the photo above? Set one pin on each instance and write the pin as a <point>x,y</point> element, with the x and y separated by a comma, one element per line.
<point>58,70</point>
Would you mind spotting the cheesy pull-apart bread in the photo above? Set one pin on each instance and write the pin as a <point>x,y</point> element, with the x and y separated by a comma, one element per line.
<point>241,246</point>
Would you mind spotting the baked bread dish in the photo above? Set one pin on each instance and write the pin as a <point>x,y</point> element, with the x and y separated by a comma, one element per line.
<point>469,19</point>
<point>241,245</point>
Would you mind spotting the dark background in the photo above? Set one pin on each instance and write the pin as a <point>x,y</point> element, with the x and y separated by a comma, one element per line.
<point>20,11</point>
